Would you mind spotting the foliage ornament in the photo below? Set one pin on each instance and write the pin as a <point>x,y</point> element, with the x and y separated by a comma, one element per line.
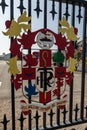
<point>43,74</point>
<point>15,28</point>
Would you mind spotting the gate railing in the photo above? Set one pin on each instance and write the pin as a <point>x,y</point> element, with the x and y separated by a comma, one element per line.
<point>52,114</point>
<point>82,108</point>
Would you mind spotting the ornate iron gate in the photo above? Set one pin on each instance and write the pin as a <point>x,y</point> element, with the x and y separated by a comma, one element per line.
<point>49,65</point>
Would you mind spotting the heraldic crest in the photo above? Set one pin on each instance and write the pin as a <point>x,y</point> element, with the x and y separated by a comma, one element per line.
<point>44,73</point>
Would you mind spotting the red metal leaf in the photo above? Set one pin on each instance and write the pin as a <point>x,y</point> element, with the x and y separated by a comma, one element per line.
<point>31,60</point>
<point>61,41</point>
<point>15,49</point>
<point>18,81</point>
<point>27,39</point>
<point>70,50</point>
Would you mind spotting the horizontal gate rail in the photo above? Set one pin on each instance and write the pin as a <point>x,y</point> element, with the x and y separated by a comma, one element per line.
<point>83,3</point>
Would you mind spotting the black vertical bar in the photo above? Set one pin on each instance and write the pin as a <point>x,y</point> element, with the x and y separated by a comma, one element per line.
<point>64,115</point>
<point>76,115</point>
<point>41,83</point>
<point>21,121</point>
<point>60,16</point>
<point>71,87</point>
<point>37,120</point>
<point>60,12</point>
<point>76,112</point>
<point>4,122</point>
<point>44,120</point>
<point>86,112</point>
<point>45,26</point>
<point>13,104</point>
<point>11,9</point>
<point>73,14</point>
<point>51,121</point>
<point>67,10</point>
<point>44,90</point>
<point>45,13</point>
<point>29,51</point>
<point>60,9</point>
<point>12,84</point>
<point>5,126</point>
<point>58,116</point>
<point>51,117</point>
<point>83,64</point>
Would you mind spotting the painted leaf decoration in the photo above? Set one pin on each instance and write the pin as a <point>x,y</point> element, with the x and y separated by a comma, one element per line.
<point>13,69</point>
<point>70,32</point>
<point>59,82</point>
<point>25,27</point>
<point>58,57</point>
<point>56,92</point>
<point>15,49</point>
<point>18,81</point>
<point>69,78</point>
<point>27,40</point>
<point>64,22</point>
<point>14,30</point>
<point>31,60</point>
<point>63,30</point>
<point>70,50</point>
<point>71,67</point>
<point>7,24</point>
<point>24,18</point>
<point>31,90</point>
<point>76,31</point>
<point>61,41</point>
<point>36,54</point>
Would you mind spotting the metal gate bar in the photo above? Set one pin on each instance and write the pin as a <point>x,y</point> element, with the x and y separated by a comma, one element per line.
<point>12,77</point>
<point>83,63</point>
